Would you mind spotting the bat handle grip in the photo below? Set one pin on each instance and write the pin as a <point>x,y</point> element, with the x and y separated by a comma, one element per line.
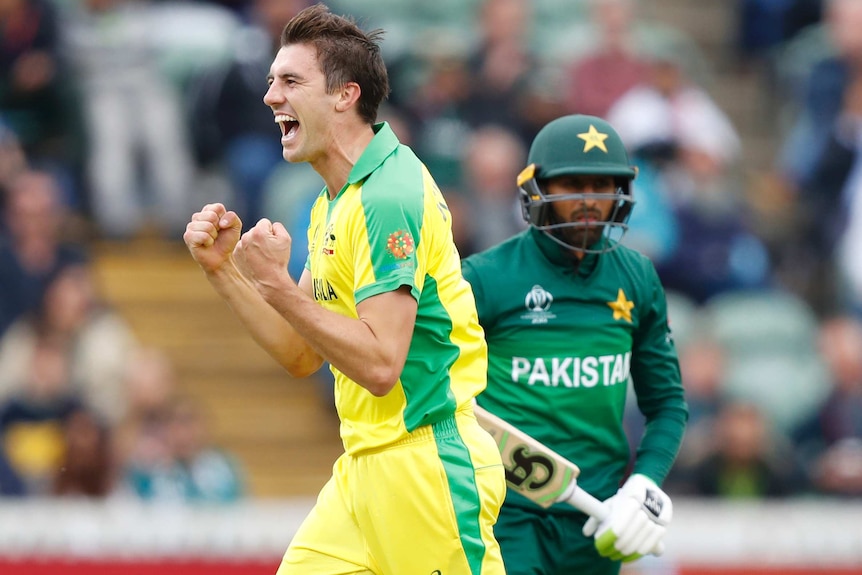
<point>583,501</point>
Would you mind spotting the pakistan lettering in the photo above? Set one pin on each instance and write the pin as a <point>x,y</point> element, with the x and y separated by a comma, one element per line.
<point>587,371</point>
<point>323,290</point>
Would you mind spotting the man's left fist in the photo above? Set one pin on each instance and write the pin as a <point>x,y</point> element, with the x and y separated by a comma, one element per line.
<point>639,515</point>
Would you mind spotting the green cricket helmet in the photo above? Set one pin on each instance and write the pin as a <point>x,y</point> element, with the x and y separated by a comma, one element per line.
<point>577,145</point>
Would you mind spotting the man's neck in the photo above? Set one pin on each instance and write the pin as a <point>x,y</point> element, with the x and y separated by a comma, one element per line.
<point>343,152</point>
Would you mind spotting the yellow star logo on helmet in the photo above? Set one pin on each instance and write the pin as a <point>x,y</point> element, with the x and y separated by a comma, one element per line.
<point>593,139</point>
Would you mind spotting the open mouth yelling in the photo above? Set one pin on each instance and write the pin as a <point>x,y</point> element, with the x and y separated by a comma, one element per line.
<point>289,126</point>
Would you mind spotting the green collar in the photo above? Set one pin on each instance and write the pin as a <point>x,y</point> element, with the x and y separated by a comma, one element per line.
<point>381,147</point>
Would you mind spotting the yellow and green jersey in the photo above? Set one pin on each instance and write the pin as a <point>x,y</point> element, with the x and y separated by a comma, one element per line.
<point>563,341</point>
<point>390,227</point>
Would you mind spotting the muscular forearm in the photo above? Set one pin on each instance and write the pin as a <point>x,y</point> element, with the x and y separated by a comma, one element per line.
<point>268,328</point>
<point>370,357</point>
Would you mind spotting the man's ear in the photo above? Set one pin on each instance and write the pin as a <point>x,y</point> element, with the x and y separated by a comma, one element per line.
<point>348,96</point>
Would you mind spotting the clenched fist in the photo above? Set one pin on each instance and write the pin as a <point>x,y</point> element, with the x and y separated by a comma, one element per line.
<point>640,513</point>
<point>211,236</point>
<point>262,255</point>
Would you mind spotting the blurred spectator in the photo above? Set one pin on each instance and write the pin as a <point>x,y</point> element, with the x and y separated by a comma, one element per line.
<point>194,470</point>
<point>32,420</point>
<point>37,92</point>
<point>463,211</point>
<point>760,26</point>
<point>801,14</point>
<point>86,468</point>
<point>717,251</point>
<point>150,382</point>
<point>13,161</point>
<point>133,122</point>
<point>817,157</point>
<point>764,24</point>
<point>34,246</point>
<point>10,483</point>
<point>747,460</point>
<point>849,263</point>
<point>162,445</point>
<point>702,367</point>
<point>669,113</point>
<point>435,109</point>
<point>830,441</point>
<point>230,125</point>
<point>598,78</point>
<point>493,158</point>
<point>839,470</point>
<point>98,341</point>
<point>653,227</point>
<point>501,69</point>
<point>689,149</point>
<point>240,8</point>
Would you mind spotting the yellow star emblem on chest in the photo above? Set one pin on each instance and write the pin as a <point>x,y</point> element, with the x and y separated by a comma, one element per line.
<point>593,139</point>
<point>622,307</point>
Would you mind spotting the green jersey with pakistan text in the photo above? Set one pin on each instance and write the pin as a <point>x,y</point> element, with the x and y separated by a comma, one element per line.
<point>563,341</point>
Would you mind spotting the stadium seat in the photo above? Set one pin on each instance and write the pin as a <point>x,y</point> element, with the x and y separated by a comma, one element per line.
<point>770,340</point>
<point>757,321</point>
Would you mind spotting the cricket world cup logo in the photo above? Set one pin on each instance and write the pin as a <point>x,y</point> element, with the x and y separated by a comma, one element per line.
<point>538,303</point>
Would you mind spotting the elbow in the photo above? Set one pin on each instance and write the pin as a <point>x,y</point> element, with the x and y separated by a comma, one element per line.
<point>381,381</point>
<point>299,372</point>
<point>300,367</point>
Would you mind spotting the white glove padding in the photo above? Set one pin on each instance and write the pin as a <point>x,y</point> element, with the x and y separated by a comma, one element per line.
<point>639,515</point>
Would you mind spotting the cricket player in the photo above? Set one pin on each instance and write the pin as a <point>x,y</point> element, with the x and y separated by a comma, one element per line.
<point>382,299</point>
<point>570,315</point>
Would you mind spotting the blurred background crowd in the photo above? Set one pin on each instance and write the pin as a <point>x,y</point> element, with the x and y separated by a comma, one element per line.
<point>120,118</point>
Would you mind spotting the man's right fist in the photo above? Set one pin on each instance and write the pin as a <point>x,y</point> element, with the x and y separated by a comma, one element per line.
<point>211,236</point>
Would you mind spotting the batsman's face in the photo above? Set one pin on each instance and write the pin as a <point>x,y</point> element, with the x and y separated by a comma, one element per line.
<point>302,108</point>
<point>587,212</point>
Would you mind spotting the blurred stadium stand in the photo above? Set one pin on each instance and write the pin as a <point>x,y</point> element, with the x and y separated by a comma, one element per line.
<point>285,431</point>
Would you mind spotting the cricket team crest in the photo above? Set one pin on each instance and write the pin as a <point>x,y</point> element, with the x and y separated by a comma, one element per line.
<point>400,244</point>
<point>594,139</point>
<point>622,307</point>
<point>329,240</point>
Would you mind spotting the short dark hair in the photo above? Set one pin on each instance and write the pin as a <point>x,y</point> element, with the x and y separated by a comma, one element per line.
<point>345,53</point>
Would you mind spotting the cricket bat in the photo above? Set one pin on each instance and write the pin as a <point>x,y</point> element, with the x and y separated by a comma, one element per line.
<point>536,471</point>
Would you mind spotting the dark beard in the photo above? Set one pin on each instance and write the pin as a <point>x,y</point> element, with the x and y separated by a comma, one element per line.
<point>581,237</point>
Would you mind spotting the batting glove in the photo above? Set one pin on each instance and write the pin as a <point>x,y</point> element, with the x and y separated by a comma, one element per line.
<point>639,515</point>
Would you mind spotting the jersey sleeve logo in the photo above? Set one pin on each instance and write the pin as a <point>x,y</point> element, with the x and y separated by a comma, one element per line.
<point>400,244</point>
<point>622,307</point>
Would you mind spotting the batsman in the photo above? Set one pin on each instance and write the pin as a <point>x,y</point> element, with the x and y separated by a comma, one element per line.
<point>573,321</point>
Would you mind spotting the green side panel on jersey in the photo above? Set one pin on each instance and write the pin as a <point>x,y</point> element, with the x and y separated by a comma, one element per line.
<point>455,458</point>
<point>431,355</point>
